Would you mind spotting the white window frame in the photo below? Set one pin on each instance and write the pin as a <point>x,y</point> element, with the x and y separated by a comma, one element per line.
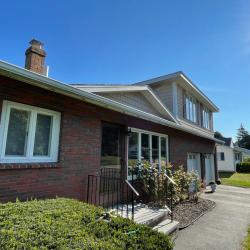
<point>205,118</point>
<point>29,158</point>
<point>140,131</point>
<point>191,108</point>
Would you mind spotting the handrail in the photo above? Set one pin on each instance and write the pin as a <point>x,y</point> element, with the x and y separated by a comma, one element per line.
<point>170,179</point>
<point>132,188</point>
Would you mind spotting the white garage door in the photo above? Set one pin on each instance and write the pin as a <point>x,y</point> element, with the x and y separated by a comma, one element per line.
<point>209,168</point>
<point>193,162</point>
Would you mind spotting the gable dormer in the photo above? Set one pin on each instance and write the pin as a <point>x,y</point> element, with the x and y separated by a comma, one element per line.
<point>188,104</point>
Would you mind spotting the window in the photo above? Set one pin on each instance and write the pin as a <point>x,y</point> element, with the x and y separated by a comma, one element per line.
<point>190,109</point>
<point>144,145</point>
<point>30,134</point>
<point>237,156</point>
<point>221,156</point>
<point>206,118</point>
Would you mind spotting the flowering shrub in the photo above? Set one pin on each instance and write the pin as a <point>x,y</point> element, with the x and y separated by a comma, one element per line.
<point>187,184</point>
<point>158,187</point>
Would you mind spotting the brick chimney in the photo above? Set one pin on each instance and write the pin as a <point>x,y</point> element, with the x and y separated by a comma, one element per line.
<point>35,56</point>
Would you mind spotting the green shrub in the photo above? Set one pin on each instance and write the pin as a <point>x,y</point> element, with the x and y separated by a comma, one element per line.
<point>158,186</point>
<point>243,167</point>
<point>187,184</point>
<point>70,224</point>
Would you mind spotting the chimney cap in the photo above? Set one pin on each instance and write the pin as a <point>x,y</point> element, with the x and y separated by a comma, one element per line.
<point>36,43</point>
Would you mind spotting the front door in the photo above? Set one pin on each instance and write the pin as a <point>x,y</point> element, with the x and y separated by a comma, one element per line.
<point>112,149</point>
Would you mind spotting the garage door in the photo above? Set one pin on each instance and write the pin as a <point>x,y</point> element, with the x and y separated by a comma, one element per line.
<point>209,168</point>
<point>193,162</point>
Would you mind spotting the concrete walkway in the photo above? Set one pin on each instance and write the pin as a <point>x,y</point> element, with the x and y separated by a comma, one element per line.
<point>224,227</point>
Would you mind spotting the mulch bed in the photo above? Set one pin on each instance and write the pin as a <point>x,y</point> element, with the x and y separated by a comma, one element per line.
<point>188,211</point>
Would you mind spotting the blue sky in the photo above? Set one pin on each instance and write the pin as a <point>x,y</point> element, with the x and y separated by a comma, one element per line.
<point>114,41</point>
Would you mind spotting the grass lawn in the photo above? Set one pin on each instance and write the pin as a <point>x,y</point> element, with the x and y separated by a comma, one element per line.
<point>235,179</point>
<point>246,244</point>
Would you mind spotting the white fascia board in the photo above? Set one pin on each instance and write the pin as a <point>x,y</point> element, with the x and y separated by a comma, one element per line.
<point>44,82</point>
<point>110,89</point>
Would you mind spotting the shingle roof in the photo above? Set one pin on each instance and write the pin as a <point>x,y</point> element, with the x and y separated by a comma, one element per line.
<point>227,141</point>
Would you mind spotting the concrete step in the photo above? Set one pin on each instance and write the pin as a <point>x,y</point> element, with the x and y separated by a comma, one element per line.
<point>153,217</point>
<point>167,226</point>
<point>143,214</point>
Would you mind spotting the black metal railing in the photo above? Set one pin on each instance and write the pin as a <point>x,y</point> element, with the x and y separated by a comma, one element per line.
<point>109,190</point>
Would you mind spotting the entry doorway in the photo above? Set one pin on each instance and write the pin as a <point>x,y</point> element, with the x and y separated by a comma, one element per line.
<point>112,148</point>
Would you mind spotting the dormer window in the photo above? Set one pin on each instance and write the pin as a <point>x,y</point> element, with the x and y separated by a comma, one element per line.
<point>205,118</point>
<point>191,109</point>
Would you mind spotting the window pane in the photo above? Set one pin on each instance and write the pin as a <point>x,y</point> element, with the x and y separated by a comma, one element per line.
<point>187,108</point>
<point>163,151</point>
<point>111,146</point>
<point>155,149</point>
<point>194,110</point>
<point>133,151</point>
<point>42,136</point>
<point>17,133</point>
<point>145,150</point>
<point>133,146</point>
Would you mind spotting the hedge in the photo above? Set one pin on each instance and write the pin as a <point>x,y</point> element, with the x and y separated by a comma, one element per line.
<point>69,224</point>
<point>243,167</point>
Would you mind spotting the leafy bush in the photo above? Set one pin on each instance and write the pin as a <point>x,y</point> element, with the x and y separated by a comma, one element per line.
<point>187,184</point>
<point>246,159</point>
<point>243,167</point>
<point>158,186</point>
<point>155,182</point>
<point>70,224</point>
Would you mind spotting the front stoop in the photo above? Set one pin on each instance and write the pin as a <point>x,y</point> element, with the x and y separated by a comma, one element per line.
<point>153,217</point>
<point>167,227</point>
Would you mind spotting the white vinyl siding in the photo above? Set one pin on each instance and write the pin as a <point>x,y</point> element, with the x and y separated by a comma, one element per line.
<point>228,163</point>
<point>30,134</point>
<point>165,94</point>
<point>134,99</point>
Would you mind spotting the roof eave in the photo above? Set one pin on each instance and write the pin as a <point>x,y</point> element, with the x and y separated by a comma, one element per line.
<point>44,82</point>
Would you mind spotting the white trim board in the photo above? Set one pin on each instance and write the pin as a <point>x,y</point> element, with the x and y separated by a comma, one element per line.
<point>34,111</point>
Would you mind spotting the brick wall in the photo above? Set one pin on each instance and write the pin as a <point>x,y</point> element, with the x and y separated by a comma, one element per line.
<point>80,143</point>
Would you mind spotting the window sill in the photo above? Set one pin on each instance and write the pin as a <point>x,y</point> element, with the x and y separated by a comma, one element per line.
<point>9,166</point>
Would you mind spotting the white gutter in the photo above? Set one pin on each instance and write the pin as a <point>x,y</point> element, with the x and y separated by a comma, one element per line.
<point>41,81</point>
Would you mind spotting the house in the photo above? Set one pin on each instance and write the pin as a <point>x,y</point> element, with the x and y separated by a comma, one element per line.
<point>53,135</point>
<point>228,155</point>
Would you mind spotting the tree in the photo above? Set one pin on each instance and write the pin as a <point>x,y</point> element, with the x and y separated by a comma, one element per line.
<point>243,138</point>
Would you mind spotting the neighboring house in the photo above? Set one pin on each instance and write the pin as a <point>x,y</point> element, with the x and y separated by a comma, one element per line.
<point>228,155</point>
<point>53,135</point>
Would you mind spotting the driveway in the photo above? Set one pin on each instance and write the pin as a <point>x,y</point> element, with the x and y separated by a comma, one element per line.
<point>224,227</point>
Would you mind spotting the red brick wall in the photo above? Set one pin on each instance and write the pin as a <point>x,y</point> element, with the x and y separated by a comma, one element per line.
<point>80,143</point>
